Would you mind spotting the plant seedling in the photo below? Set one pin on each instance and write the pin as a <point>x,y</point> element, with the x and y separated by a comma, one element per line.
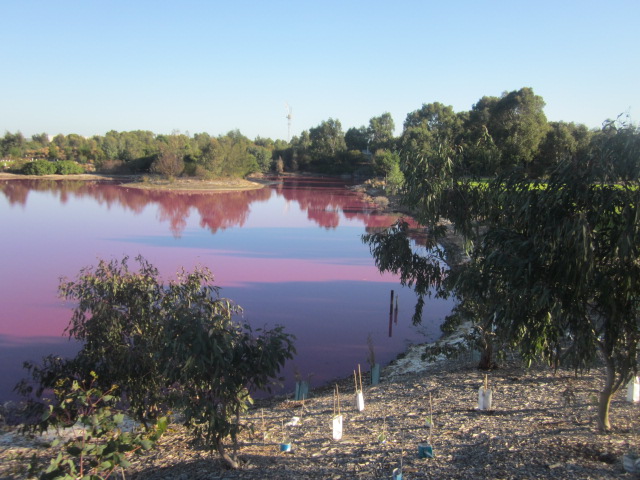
<point>429,421</point>
<point>374,368</point>
<point>285,444</point>
<point>382,436</point>
<point>425,450</point>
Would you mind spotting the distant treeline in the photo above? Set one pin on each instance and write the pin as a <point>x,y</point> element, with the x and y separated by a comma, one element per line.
<point>496,134</point>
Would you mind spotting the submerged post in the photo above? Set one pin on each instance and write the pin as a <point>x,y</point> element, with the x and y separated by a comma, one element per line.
<point>395,313</point>
<point>391,315</point>
<point>391,304</point>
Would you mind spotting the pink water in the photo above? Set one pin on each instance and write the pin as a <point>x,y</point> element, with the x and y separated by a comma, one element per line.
<point>289,254</point>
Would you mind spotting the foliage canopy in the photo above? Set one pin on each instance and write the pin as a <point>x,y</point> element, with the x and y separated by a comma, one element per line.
<point>554,265</point>
<point>166,345</point>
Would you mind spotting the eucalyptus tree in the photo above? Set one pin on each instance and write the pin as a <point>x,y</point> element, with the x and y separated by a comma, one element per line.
<point>213,361</point>
<point>567,252</point>
<point>89,151</point>
<point>554,266</point>
<point>357,138</point>
<point>110,145</point>
<point>482,156</point>
<point>298,155</point>
<point>429,127</point>
<point>60,141</point>
<point>387,164</point>
<point>327,142</point>
<point>75,147</point>
<point>170,159</point>
<point>265,142</point>
<point>117,315</point>
<point>234,156</point>
<point>210,161</point>
<point>381,132</point>
<point>502,132</point>
<point>558,144</point>
<point>40,140</point>
<point>518,125</point>
<point>437,196</point>
<point>12,145</point>
<point>175,345</point>
<point>136,145</point>
<point>263,157</point>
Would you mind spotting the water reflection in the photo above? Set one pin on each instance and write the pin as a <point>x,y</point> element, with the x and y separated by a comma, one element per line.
<point>324,201</point>
<point>289,254</point>
<point>217,212</point>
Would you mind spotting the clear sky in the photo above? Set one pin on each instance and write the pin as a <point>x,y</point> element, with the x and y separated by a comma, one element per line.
<point>88,67</point>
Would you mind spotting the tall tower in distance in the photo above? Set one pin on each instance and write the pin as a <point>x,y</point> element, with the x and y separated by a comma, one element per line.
<point>288,116</point>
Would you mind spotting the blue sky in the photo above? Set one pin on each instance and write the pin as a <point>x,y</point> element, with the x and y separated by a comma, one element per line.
<point>88,67</point>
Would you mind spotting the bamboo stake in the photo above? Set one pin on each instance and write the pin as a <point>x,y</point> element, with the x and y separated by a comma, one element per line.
<point>401,448</point>
<point>334,399</point>
<point>430,419</point>
<point>355,380</point>
<point>360,375</point>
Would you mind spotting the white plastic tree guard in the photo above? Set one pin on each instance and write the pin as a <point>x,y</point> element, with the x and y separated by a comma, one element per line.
<point>359,394</point>
<point>337,417</point>
<point>485,396</point>
<point>633,390</point>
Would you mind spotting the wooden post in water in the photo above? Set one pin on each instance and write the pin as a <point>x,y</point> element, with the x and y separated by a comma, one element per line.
<point>395,314</point>
<point>391,315</point>
<point>391,304</point>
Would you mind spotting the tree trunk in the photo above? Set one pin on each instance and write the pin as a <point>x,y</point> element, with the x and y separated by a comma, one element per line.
<point>603,410</point>
<point>226,457</point>
<point>486,355</point>
<point>605,398</point>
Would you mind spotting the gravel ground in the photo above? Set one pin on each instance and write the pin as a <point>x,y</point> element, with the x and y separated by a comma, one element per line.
<point>541,425</point>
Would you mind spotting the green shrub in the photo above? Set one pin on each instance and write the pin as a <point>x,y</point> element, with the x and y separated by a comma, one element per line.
<point>67,167</point>
<point>99,446</point>
<point>183,349</point>
<point>39,167</point>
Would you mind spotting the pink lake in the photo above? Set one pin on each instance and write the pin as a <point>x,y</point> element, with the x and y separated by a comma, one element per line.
<point>290,254</point>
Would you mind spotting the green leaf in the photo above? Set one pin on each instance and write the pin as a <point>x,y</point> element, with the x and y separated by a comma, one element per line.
<point>47,414</point>
<point>106,465</point>
<point>74,450</point>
